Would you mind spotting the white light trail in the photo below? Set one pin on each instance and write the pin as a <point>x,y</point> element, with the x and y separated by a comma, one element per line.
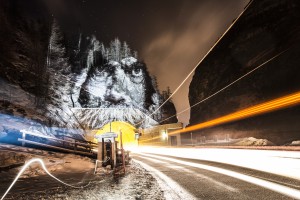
<point>253,180</point>
<point>41,162</point>
<point>154,160</point>
<point>216,183</point>
<point>284,163</point>
<point>172,191</point>
<point>183,169</point>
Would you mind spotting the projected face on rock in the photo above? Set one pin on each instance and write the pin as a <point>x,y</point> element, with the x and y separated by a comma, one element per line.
<point>123,88</point>
<point>116,84</point>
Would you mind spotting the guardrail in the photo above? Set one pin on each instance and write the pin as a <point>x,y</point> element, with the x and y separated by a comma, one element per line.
<point>70,145</point>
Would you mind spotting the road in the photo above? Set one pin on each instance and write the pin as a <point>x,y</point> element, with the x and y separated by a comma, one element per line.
<point>272,175</point>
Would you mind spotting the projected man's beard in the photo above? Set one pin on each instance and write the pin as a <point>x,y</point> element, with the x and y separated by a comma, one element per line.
<point>97,118</point>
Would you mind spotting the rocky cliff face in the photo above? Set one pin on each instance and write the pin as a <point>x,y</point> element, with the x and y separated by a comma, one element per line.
<point>265,30</point>
<point>52,78</point>
<point>24,34</point>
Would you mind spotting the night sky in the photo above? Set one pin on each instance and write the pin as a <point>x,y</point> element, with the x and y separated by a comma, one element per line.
<point>170,36</point>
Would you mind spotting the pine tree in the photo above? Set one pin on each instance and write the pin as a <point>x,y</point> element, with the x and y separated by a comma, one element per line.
<point>154,83</point>
<point>102,49</point>
<point>115,50</point>
<point>166,94</point>
<point>57,50</point>
<point>96,52</point>
<point>59,76</point>
<point>135,54</point>
<point>168,109</point>
<point>169,93</point>
<point>125,50</point>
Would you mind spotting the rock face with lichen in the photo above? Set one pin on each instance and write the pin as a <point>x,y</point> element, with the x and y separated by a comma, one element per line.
<point>266,29</point>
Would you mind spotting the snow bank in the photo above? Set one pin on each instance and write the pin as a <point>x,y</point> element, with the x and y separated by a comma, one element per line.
<point>251,141</point>
<point>295,143</point>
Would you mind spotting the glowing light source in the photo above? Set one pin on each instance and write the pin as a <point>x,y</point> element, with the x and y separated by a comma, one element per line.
<point>164,135</point>
<point>128,132</point>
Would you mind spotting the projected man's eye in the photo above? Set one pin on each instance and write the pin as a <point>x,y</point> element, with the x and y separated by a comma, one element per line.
<point>137,72</point>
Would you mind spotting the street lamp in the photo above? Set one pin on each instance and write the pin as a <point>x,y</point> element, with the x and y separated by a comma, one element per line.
<point>165,135</point>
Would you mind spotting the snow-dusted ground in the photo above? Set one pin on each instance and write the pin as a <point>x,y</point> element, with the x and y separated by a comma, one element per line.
<point>295,143</point>
<point>74,170</point>
<point>137,184</point>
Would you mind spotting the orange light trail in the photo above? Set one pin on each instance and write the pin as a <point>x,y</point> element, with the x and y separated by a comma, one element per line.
<point>269,106</point>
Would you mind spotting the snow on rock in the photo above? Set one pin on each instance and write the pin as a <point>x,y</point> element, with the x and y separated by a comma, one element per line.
<point>114,63</point>
<point>251,141</point>
<point>128,61</point>
<point>116,81</point>
<point>114,86</point>
<point>91,77</point>
<point>77,82</point>
<point>295,143</point>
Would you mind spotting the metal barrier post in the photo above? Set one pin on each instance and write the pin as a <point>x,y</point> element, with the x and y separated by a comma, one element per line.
<point>100,152</point>
<point>122,150</point>
<point>23,137</point>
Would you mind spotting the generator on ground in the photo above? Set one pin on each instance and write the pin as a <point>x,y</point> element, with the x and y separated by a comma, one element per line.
<point>111,153</point>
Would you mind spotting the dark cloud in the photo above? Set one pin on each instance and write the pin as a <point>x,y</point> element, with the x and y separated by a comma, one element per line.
<point>174,52</point>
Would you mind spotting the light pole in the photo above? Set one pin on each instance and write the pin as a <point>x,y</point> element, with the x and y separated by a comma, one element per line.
<point>165,136</point>
<point>192,138</point>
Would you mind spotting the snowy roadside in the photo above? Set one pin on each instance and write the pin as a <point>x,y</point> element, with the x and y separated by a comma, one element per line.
<point>137,184</point>
<point>72,169</point>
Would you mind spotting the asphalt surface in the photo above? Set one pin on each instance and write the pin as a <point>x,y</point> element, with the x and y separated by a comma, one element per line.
<point>190,178</point>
